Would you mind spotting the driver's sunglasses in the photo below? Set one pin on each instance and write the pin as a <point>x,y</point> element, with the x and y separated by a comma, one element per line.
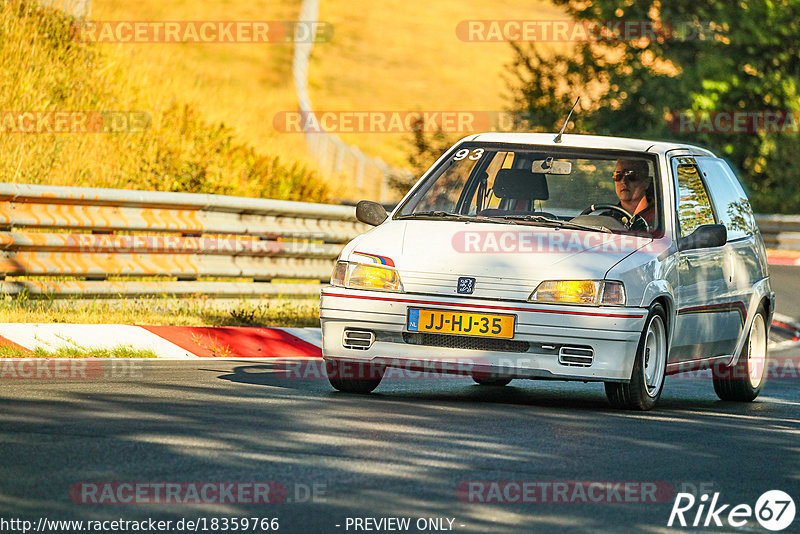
<point>628,175</point>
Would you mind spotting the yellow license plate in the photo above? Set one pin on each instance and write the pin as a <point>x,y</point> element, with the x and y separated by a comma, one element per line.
<point>461,323</point>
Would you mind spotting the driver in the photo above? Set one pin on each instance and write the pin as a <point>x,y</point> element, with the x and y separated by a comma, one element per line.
<point>633,185</point>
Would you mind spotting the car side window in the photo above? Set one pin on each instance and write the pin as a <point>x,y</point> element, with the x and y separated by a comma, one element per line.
<point>694,206</point>
<point>729,198</point>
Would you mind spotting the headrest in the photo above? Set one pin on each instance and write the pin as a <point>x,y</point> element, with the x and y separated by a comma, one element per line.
<point>520,184</point>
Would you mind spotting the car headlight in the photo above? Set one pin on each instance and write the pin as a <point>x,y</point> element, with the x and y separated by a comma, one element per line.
<point>366,276</point>
<point>593,292</point>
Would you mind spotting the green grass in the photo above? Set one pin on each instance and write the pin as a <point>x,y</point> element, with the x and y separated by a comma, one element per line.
<point>300,312</point>
<point>121,351</point>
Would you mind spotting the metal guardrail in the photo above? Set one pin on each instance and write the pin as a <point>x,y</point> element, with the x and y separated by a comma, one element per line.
<point>70,241</point>
<point>780,231</point>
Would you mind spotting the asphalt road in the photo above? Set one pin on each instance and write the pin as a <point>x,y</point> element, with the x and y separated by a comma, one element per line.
<point>403,451</point>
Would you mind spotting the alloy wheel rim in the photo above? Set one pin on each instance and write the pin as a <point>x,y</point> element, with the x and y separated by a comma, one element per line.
<point>655,356</point>
<point>757,351</point>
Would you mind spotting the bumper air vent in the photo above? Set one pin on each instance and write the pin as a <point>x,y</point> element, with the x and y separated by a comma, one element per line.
<point>358,339</point>
<point>576,356</point>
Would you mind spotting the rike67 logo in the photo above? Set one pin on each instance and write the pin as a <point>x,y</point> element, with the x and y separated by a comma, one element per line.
<point>774,510</point>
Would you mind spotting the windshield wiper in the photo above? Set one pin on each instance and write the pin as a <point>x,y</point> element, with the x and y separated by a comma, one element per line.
<point>455,217</point>
<point>558,223</point>
<point>439,215</point>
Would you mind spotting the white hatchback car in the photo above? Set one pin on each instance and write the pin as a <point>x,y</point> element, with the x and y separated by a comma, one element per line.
<point>572,258</point>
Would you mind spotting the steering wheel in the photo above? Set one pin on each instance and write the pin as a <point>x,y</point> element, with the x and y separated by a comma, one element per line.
<point>632,219</point>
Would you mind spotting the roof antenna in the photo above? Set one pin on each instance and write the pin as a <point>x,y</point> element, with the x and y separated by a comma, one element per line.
<point>558,137</point>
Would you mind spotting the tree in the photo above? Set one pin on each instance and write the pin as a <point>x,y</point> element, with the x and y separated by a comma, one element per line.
<point>704,57</point>
<point>425,150</point>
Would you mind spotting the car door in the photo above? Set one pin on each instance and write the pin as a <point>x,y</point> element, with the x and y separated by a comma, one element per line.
<point>707,321</point>
<point>743,269</point>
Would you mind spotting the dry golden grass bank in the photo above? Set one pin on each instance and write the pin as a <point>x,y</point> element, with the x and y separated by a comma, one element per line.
<point>405,55</point>
<point>180,148</point>
<point>242,85</point>
<point>385,56</point>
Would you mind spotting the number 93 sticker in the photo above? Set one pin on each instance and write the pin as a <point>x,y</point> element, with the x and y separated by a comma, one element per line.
<point>475,155</point>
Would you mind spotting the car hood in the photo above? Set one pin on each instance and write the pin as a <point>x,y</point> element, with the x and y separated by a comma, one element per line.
<point>507,261</point>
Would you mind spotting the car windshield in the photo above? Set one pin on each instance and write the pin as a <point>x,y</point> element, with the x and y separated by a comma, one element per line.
<point>573,188</point>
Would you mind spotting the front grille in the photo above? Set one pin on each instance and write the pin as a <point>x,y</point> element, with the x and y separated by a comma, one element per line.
<point>466,342</point>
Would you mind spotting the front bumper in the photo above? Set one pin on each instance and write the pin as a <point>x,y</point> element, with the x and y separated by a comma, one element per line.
<point>611,333</point>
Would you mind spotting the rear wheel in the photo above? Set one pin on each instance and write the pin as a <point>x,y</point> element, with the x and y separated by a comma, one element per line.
<point>649,367</point>
<point>743,381</point>
<point>352,377</point>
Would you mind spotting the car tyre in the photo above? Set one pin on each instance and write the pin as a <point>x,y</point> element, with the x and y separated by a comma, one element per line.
<point>649,367</point>
<point>743,381</point>
<point>353,377</point>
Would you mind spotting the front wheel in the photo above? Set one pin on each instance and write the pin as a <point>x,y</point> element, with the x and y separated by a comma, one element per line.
<point>352,377</point>
<point>743,381</point>
<point>649,368</point>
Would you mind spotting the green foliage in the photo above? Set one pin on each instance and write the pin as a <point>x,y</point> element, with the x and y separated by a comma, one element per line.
<point>708,56</point>
<point>183,153</point>
<point>425,150</point>
<point>120,351</point>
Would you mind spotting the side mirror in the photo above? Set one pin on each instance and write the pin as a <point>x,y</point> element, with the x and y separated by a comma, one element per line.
<point>370,212</point>
<point>705,236</point>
